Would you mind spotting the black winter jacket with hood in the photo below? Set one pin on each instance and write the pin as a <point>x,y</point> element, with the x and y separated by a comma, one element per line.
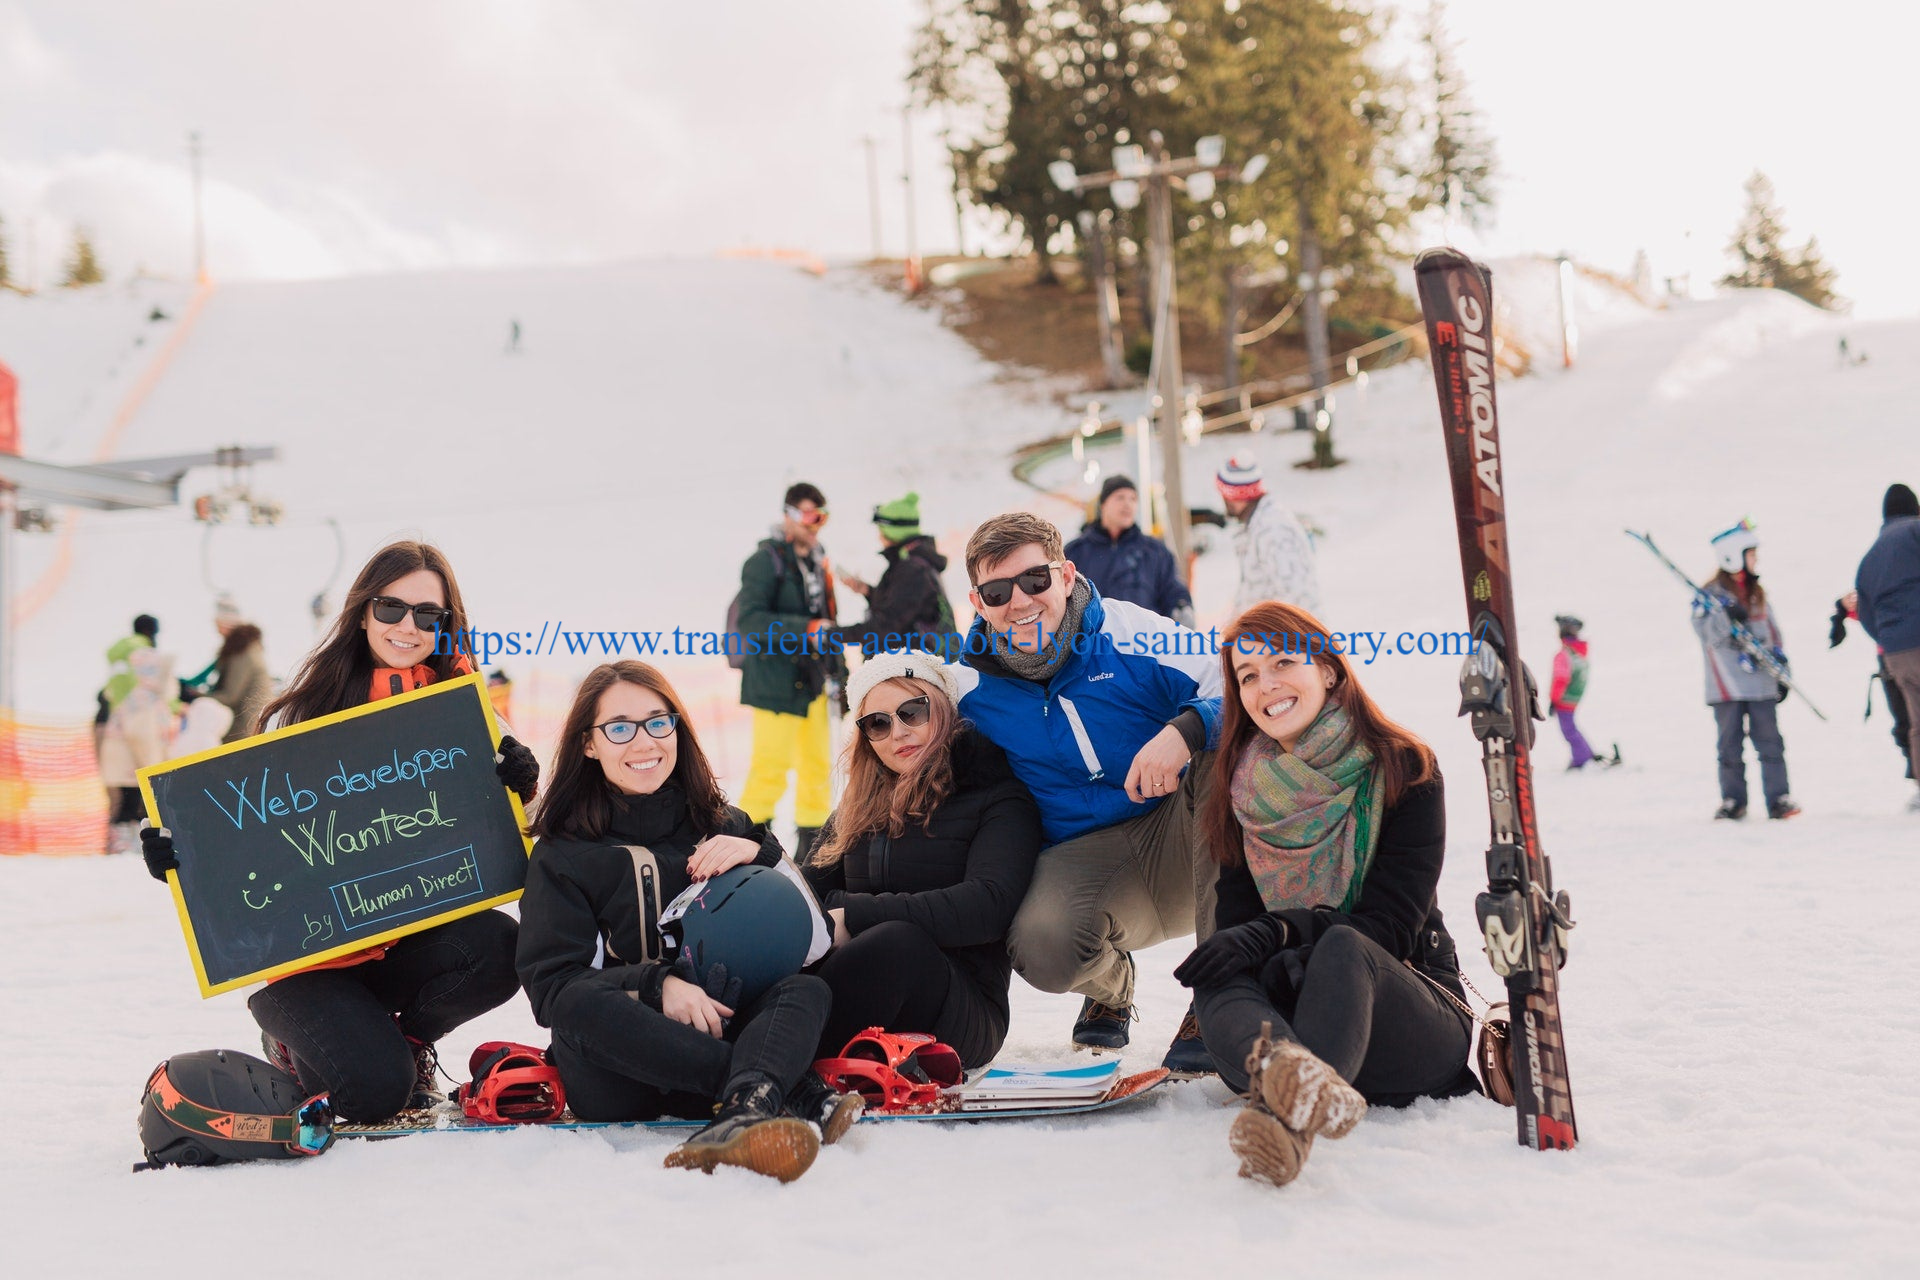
<point>581,919</point>
<point>960,877</point>
<point>906,601</point>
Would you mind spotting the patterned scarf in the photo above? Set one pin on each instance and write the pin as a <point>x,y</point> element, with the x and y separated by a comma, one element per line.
<point>1309,818</point>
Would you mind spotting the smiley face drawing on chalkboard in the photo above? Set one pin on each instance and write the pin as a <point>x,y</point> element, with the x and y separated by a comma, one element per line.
<point>246,895</point>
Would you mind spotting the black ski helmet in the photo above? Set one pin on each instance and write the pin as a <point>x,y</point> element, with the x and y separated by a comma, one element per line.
<point>1568,624</point>
<point>217,1106</point>
<point>752,919</point>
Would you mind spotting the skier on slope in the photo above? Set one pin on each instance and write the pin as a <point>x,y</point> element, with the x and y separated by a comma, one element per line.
<point>1569,684</point>
<point>1744,698</point>
<point>1887,594</point>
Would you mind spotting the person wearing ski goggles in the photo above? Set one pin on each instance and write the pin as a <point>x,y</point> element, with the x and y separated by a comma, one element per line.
<point>922,865</point>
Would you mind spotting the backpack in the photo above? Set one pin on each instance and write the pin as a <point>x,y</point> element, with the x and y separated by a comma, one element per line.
<point>738,661</point>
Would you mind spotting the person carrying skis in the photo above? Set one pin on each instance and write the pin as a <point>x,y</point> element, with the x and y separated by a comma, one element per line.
<point>907,608</point>
<point>922,866</point>
<point>1743,696</point>
<point>1107,713</point>
<point>631,817</point>
<point>1569,683</point>
<point>1330,982</point>
<point>1887,596</point>
<point>363,1027</point>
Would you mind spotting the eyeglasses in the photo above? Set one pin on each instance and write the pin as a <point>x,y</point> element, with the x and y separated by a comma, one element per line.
<point>427,617</point>
<point>997,591</point>
<point>812,519</point>
<point>621,732</point>
<point>912,713</point>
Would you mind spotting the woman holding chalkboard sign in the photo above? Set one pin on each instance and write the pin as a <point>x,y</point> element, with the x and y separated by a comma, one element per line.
<point>362,1028</point>
<point>630,818</point>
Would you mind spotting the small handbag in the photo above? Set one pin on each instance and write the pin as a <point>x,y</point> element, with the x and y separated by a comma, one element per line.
<point>1493,1055</point>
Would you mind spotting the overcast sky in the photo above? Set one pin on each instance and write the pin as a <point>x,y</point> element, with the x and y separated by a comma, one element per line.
<point>353,136</point>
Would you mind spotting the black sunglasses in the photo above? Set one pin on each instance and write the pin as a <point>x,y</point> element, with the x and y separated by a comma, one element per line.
<point>621,732</point>
<point>997,591</point>
<point>913,713</point>
<point>427,617</point>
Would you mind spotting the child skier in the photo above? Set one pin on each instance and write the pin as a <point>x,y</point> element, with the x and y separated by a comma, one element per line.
<point>1569,682</point>
<point>1743,696</point>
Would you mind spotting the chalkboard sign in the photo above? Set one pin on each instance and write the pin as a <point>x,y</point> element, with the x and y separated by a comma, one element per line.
<point>309,843</point>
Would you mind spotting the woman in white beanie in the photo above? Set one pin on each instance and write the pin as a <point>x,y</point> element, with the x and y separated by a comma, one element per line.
<point>922,866</point>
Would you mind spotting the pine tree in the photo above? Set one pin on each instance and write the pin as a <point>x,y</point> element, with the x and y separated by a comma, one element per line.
<point>83,268</point>
<point>1458,171</point>
<point>1762,259</point>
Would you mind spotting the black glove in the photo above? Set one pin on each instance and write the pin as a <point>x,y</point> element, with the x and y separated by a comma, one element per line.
<point>1736,611</point>
<point>1235,950</point>
<point>719,985</point>
<point>1838,631</point>
<point>188,692</point>
<point>516,768</point>
<point>1784,692</point>
<point>156,846</point>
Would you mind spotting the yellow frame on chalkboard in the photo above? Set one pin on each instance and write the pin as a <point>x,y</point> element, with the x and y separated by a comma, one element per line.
<point>476,682</point>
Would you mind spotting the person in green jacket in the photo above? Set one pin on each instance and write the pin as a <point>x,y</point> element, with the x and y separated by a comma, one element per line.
<point>790,666</point>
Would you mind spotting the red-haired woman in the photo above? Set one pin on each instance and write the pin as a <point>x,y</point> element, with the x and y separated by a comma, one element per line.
<point>1320,990</point>
<point>922,866</point>
<point>362,1028</point>
<point>631,797</point>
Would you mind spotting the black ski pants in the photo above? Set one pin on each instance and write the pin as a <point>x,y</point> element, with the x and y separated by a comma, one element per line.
<point>347,1029</point>
<point>1383,1027</point>
<point>623,1060</point>
<point>895,976</point>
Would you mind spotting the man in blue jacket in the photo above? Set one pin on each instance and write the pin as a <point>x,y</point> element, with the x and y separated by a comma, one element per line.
<point>1108,713</point>
<point>1888,584</point>
<point>1124,563</point>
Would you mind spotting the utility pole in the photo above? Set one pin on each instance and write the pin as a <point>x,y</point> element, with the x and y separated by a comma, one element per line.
<point>1106,298</point>
<point>873,191</point>
<point>1133,169</point>
<point>199,224</point>
<point>906,178</point>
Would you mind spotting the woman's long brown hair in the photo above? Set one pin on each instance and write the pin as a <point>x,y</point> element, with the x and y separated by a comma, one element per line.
<point>1751,595</point>
<point>876,797</point>
<point>336,675</point>
<point>1403,759</point>
<point>578,801</point>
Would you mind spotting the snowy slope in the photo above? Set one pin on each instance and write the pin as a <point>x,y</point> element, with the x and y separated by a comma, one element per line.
<point>1740,1024</point>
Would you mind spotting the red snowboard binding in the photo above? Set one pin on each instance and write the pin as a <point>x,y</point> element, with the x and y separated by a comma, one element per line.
<point>512,1084</point>
<point>893,1071</point>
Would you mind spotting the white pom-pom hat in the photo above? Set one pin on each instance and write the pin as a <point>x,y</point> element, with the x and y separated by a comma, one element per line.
<point>908,663</point>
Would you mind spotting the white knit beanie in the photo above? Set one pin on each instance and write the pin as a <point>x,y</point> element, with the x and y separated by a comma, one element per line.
<point>891,666</point>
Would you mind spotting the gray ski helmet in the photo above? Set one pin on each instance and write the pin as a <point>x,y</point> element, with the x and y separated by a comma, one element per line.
<point>217,1106</point>
<point>753,920</point>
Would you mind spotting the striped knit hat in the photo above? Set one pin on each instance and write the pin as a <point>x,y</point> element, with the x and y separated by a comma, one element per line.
<point>899,519</point>
<point>1239,479</point>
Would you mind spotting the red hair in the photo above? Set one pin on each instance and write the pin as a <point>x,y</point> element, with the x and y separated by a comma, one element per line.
<point>1403,760</point>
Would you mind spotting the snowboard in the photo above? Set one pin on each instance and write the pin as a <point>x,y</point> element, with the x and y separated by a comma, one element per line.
<point>446,1120</point>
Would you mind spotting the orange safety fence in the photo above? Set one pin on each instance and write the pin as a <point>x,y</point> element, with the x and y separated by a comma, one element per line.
<point>51,798</point>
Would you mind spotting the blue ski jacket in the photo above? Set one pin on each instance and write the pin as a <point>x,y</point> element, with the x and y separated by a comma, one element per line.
<point>1889,585</point>
<point>1071,740</point>
<point>1132,567</point>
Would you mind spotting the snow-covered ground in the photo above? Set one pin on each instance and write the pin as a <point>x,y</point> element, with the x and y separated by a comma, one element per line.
<point>1741,1020</point>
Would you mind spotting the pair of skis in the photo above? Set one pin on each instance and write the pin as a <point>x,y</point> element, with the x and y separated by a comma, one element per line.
<point>1523,921</point>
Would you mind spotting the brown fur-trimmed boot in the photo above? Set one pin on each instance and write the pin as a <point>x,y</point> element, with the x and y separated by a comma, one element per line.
<point>1302,1092</point>
<point>1269,1151</point>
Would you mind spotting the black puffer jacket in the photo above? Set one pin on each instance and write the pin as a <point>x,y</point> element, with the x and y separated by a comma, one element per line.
<point>583,901</point>
<point>909,601</point>
<point>960,878</point>
<point>1398,906</point>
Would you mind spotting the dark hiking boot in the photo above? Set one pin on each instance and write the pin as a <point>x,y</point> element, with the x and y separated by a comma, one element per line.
<point>1187,1056</point>
<point>831,1113</point>
<point>427,1092</point>
<point>1731,809</point>
<point>751,1132</point>
<point>1304,1093</point>
<point>1269,1151</point>
<point>1102,1026</point>
<point>1784,807</point>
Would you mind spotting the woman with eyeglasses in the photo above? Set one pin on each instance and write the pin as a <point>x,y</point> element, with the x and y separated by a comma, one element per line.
<point>1330,981</point>
<point>922,866</point>
<point>631,817</point>
<point>363,1027</point>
